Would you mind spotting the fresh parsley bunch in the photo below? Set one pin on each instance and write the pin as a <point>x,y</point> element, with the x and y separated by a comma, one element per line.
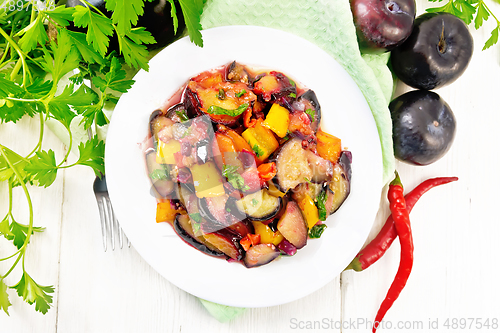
<point>37,51</point>
<point>469,11</point>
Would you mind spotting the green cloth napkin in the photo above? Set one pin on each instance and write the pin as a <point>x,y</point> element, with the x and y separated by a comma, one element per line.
<point>328,24</point>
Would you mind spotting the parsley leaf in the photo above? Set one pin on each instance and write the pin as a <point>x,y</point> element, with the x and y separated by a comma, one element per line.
<point>32,292</point>
<point>33,35</point>
<point>89,55</point>
<point>141,36</point>
<point>158,174</point>
<point>61,15</point>
<point>59,105</point>
<point>99,27</point>
<point>317,230</point>
<point>114,78</point>
<point>255,202</point>
<point>234,178</point>
<point>217,110</point>
<point>43,167</point>
<point>4,297</point>
<point>92,155</point>
<point>195,217</point>
<point>310,112</point>
<point>241,93</point>
<point>19,232</point>
<point>135,55</point>
<point>321,204</point>
<point>64,59</point>
<point>192,10</point>
<point>257,150</point>
<point>493,38</point>
<point>125,13</point>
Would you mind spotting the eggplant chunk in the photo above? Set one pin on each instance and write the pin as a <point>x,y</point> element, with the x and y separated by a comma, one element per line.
<point>159,175</point>
<point>310,104</point>
<point>259,206</point>
<point>293,226</point>
<point>322,169</point>
<point>238,72</point>
<point>157,122</point>
<point>260,254</point>
<point>183,228</point>
<point>340,185</point>
<point>292,165</point>
<point>177,113</point>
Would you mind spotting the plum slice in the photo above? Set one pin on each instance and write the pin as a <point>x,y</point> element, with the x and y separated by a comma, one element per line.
<point>226,242</point>
<point>260,254</point>
<point>293,226</point>
<point>322,169</point>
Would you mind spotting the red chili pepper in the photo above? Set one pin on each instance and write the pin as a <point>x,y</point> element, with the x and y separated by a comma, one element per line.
<point>401,218</point>
<point>372,252</point>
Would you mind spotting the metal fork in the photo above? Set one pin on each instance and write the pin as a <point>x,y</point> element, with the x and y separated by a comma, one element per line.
<point>109,223</point>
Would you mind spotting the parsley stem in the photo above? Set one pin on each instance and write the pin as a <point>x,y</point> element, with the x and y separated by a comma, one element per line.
<point>40,138</point>
<point>30,207</point>
<point>22,99</point>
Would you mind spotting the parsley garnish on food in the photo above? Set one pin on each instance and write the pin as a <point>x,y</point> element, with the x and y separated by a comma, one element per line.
<point>158,174</point>
<point>321,204</point>
<point>33,66</point>
<point>310,112</point>
<point>255,202</point>
<point>292,95</point>
<point>182,115</point>
<point>469,11</point>
<point>222,94</point>
<point>258,151</point>
<point>217,110</point>
<point>307,180</point>
<point>234,178</point>
<point>196,217</point>
<point>241,93</point>
<point>317,230</point>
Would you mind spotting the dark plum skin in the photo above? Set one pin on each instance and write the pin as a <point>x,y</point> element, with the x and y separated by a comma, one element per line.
<point>423,127</point>
<point>381,25</point>
<point>437,52</point>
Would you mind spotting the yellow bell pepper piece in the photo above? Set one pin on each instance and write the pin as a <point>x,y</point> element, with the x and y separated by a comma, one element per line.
<point>309,210</point>
<point>261,140</point>
<point>165,212</point>
<point>165,151</point>
<point>267,236</point>
<point>277,120</point>
<point>207,180</point>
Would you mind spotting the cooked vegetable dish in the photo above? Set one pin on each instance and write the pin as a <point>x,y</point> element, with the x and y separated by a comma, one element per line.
<point>240,166</point>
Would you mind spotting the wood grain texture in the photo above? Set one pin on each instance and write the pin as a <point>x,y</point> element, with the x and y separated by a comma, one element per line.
<point>456,229</point>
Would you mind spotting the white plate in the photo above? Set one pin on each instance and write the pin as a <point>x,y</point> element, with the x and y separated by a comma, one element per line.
<point>345,114</point>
